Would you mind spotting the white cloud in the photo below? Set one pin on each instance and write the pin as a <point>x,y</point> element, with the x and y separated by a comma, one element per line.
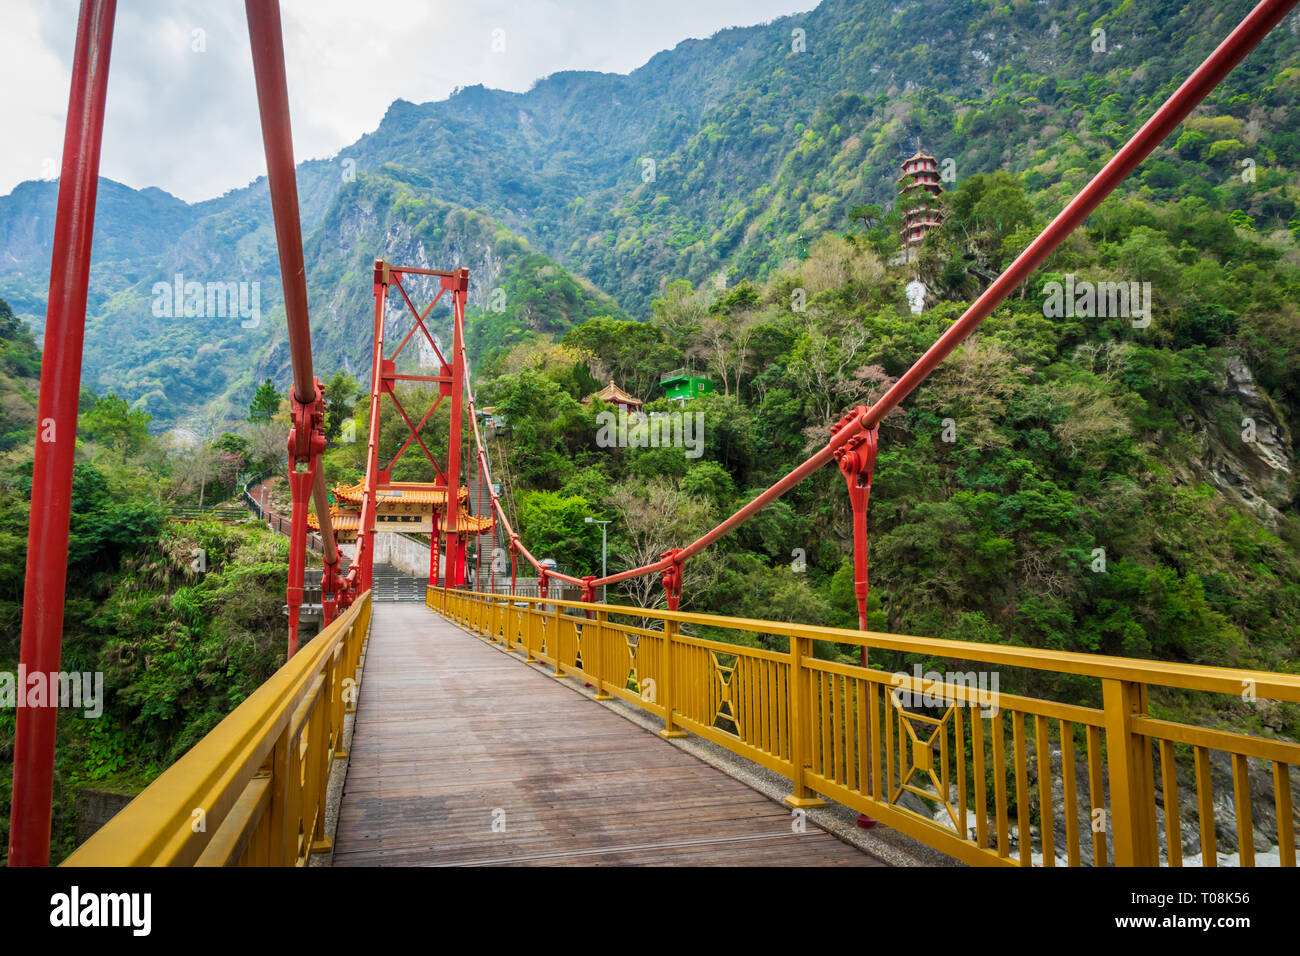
<point>187,121</point>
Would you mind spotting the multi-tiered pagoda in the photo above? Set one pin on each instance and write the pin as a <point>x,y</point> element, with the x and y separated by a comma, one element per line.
<point>919,197</point>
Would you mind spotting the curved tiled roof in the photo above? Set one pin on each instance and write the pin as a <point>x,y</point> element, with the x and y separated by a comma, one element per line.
<point>408,492</point>
<point>346,520</point>
<point>615,396</point>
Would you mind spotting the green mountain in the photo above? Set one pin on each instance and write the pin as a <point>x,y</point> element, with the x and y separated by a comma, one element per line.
<point>714,162</point>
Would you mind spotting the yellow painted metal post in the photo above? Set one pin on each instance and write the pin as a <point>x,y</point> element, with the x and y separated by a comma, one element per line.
<point>353,644</point>
<point>1128,762</point>
<point>598,664</point>
<point>334,692</point>
<point>800,741</point>
<point>530,634</point>
<point>319,770</point>
<point>559,644</point>
<point>278,811</point>
<point>666,688</point>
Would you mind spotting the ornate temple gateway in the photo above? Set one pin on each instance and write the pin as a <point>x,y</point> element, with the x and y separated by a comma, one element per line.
<point>405,506</point>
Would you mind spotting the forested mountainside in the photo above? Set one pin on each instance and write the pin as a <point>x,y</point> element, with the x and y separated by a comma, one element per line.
<point>714,162</point>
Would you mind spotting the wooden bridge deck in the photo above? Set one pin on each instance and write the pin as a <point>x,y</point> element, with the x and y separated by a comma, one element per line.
<point>452,735</point>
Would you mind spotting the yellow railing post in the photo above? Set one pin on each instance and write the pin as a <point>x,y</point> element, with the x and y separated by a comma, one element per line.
<point>529,629</point>
<point>598,662</point>
<point>559,643</point>
<point>318,841</point>
<point>667,683</point>
<point>278,810</point>
<point>1128,763</point>
<point>337,705</point>
<point>800,726</point>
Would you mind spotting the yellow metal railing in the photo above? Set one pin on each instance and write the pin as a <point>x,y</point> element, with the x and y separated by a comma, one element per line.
<point>252,792</point>
<point>987,767</point>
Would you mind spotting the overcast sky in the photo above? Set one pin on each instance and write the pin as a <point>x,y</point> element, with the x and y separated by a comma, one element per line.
<point>186,121</point>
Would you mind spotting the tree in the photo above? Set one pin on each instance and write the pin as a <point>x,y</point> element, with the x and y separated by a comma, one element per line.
<point>266,402</point>
<point>112,422</point>
<point>819,362</point>
<point>267,448</point>
<point>553,526</point>
<point>200,465</point>
<point>723,336</point>
<point>986,210</point>
<point>681,310</point>
<point>232,444</point>
<point>652,518</point>
<point>341,394</point>
<point>10,325</point>
<point>869,214</point>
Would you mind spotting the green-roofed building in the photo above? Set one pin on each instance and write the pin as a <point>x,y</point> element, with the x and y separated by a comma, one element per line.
<point>683,384</point>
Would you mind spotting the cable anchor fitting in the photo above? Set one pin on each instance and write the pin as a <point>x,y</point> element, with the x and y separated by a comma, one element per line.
<point>672,577</point>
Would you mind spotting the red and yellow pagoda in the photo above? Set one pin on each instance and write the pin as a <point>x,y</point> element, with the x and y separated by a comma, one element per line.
<point>401,506</point>
<point>407,506</point>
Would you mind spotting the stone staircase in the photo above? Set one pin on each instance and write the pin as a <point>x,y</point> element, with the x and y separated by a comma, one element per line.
<point>388,583</point>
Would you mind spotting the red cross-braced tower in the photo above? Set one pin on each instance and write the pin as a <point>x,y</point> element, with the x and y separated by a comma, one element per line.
<point>448,520</point>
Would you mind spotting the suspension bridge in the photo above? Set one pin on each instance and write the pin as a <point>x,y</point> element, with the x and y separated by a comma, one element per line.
<point>489,727</point>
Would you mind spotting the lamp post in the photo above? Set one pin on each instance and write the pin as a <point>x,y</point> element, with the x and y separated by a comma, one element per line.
<point>603,540</point>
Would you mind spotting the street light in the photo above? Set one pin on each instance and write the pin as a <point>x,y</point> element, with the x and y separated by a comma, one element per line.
<point>603,539</point>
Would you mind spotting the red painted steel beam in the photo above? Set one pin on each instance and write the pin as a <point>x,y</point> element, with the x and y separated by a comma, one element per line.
<point>320,492</point>
<point>419,319</point>
<point>273,106</point>
<point>458,282</point>
<point>267,41</point>
<point>56,429</point>
<point>365,547</point>
<point>415,434</point>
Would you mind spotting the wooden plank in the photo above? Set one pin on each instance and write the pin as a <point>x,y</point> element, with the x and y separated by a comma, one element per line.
<point>464,755</point>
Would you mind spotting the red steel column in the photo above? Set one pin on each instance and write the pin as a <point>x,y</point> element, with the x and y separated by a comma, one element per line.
<point>299,485</point>
<point>493,566</point>
<point>455,573</point>
<point>433,552</point>
<point>857,462</point>
<point>366,527</point>
<point>56,430</point>
<point>273,105</point>
<point>267,42</point>
<point>478,535</point>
